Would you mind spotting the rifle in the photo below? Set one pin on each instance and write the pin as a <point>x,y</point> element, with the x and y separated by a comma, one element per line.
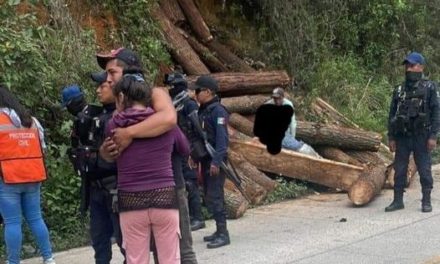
<point>226,167</point>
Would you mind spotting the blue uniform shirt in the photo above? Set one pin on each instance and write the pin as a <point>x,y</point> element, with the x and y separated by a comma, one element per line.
<point>214,119</point>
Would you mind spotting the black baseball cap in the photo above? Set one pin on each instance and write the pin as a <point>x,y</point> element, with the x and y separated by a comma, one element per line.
<point>99,77</point>
<point>123,54</point>
<point>207,82</point>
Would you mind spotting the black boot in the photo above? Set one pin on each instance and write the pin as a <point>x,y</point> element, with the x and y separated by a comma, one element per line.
<point>426,201</point>
<point>397,203</point>
<point>197,224</point>
<point>210,237</point>
<point>222,237</point>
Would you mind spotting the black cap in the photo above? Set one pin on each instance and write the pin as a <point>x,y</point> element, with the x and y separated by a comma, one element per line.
<point>205,81</point>
<point>99,77</point>
<point>123,54</point>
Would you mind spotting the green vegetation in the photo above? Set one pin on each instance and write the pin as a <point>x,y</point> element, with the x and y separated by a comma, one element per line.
<point>42,50</point>
<point>286,189</point>
<point>347,51</point>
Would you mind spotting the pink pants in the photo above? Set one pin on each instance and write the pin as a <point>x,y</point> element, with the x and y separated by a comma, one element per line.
<point>136,227</point>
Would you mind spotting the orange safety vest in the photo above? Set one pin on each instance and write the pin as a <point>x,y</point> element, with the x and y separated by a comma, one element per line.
<point>21,156</point>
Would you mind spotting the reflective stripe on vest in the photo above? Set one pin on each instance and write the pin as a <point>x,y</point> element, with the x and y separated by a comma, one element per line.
<point>21,157</point>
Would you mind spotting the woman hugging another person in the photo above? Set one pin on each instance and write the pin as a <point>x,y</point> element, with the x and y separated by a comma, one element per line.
<point>146,196</point>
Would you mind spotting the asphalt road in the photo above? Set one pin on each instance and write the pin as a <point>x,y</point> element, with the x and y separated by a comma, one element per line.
<point>319,228</point>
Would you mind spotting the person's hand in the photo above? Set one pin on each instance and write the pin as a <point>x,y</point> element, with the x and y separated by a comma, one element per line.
<point>214,170</point>
<point>109,150</point>
<point>392,145</point>
<point>432,144</point>
<point>192,164</point>
<point>121,138</point>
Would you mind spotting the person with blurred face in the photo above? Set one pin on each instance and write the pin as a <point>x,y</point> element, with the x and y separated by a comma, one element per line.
<point>413,126</point>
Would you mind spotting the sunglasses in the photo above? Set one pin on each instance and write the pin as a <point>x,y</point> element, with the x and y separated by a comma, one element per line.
<point>199,90</point>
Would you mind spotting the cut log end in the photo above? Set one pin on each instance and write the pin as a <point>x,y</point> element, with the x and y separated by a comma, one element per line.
<point>361,192</point>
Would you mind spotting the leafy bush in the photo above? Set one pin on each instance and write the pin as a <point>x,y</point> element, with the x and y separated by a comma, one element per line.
<point>286,190</point>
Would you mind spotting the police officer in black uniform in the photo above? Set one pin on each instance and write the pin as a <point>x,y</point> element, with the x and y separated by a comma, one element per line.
<point>99,178</point>
<point>414,122</point>
<point>185,106</point>
<point>214,119</point>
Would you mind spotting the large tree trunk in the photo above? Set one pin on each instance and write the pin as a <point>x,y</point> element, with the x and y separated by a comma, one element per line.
<point>235,203</point>
<point>232,61</point>
<point>368,185</point>
<point>240,83</point>
<point>242,124</point>
<point>173,11</point>
<point>299,166</point>
<point>180,49</point>
<point>340,137</point>
<point>205,54</point>
<point>367,157</point>
<point>333,116</point>
<point>254,192</point>
<point>196,20</point>
<point>244,105</point>
<point>337,155</point>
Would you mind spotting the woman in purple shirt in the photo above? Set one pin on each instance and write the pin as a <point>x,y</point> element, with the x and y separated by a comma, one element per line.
<point>146,196</point>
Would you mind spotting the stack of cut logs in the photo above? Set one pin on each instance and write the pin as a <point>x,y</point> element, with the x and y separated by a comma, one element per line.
<point>354,160</point>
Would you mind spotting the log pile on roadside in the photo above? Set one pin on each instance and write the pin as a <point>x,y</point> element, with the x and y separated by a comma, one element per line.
<point>355,160</point>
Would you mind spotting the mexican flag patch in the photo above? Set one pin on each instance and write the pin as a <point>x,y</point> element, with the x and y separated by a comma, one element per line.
<point>221,121</point>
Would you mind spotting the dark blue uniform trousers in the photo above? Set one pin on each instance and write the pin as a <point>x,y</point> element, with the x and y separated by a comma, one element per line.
<point>214,193</point>
<point>103,225</point>
<point>418,145</point>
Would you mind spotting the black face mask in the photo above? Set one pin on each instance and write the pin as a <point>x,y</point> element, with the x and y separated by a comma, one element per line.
<point>76,105</point>
<point>413,76</point>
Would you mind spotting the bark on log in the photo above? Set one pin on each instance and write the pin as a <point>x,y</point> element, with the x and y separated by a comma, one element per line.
<point>235,134</point>
<point>337,155</point>
<point>299,166</point>
<point>254,192</point>
<point>232,61</point>
<point>244,105</point>
<point>180,48</point>
<point>173,11</point>
<point>367,157</point>
<point>196,20</point>
<point>412,169</point>
<point>341,137</point>
<point>368,185</point>
<point>235,203</point>
<point>242,124</point>
<point>240,83</point>
<point>214,64</point>
<point>333,116</point>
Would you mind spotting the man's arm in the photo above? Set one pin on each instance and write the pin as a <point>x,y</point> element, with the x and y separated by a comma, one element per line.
<point>222,138</point>
<point>160,122</point>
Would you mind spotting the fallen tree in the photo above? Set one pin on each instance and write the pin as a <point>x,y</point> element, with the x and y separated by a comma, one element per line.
<point>179,47</point>
<point>196,20</point>
<point>232,61</point>
<point>340,137</point>
<point>241,83</point>
<point>173,11</point>
<point>235,203</point>
<point>337,155</point>
<point>368,185</point>
<point>242,124</point>
<point>244,105</point>
<point>254,192</point>
<point>299,166</point>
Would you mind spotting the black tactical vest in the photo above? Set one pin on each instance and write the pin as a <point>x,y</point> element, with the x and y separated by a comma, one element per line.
<point>412,114</point>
